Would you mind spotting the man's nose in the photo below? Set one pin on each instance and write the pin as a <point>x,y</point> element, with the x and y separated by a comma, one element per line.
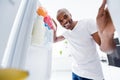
<point>64,21</point>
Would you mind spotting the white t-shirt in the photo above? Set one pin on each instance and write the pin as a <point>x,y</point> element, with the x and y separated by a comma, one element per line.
<point>86,62</point>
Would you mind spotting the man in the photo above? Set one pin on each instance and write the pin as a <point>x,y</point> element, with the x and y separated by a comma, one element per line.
<point>82,36</point>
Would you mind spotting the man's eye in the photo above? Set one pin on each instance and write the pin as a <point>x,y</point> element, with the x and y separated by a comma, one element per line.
<point>60,21</point>
<point>65,16</point>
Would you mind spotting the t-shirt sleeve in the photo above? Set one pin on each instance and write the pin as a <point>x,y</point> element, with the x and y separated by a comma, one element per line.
<point>92,26</point>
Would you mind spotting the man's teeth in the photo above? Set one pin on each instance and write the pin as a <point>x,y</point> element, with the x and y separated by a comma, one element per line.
<point>67,24</point>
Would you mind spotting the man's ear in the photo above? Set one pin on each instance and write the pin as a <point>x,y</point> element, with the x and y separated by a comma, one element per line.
<point>70,14</point>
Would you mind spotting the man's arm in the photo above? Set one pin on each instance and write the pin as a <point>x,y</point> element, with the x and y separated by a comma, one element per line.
<point>55,37</point>
<point>96,38</point>
<point>42,12</point>
<point>105,29</point>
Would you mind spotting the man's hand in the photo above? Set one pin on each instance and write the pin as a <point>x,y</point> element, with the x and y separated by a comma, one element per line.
<point>104,22</point>
<point>105,28</point>
<point>101,17</point>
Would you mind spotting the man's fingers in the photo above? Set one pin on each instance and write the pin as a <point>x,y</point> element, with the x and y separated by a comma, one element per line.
<point>107,11</point>
<point>103,4</point>
<point>101,9</point>
<point>108,16</point>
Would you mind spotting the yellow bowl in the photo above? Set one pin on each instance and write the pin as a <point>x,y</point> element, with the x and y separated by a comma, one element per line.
<point>13,74</point>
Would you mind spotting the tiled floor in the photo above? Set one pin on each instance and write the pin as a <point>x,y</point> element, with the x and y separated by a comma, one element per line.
<point>110,73</point>
<point>61,75</point>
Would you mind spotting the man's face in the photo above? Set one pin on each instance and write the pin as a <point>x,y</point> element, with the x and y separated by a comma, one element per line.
<point>65,19</point>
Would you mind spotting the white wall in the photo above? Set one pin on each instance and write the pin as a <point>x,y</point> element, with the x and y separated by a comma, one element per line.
<point>114,8</point>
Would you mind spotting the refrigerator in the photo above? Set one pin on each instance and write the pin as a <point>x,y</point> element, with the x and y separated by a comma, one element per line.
<point>25,41</point>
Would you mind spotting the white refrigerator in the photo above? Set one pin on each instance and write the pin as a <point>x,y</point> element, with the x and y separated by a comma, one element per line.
<point>25,47</point>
